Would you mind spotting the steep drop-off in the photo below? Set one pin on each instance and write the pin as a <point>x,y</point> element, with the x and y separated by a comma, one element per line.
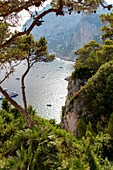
<point>90,90</point>
<point>91,102</point>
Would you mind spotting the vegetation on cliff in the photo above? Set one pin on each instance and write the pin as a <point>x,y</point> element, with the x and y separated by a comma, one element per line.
<point>46,146</point>
<point>92,100</point>
<point>95,97</point>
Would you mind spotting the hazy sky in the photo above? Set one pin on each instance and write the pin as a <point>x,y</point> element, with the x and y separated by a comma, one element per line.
<point>109,1</point>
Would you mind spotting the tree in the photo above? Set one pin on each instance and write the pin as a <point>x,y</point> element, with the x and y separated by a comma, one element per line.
<point>21,49</point>
<point>107,29</point>
<point>16,47</point>
<point>87,56</point>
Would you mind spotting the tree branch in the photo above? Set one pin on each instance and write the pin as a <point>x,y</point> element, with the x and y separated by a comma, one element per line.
<point>31,26</point>
<point>7,75</point>
<point>104,5</point>
<point>17,9</point>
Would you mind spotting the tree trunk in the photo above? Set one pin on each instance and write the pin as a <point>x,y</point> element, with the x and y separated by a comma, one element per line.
<point>23,88</point>
<point>18,107</point>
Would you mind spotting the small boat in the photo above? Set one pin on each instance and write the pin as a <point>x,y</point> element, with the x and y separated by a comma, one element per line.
<point>49,105</point>
<point>13,94</point>
<point>17,78</point>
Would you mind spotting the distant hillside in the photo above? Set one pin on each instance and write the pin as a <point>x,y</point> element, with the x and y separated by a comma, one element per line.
<point>69,32</point>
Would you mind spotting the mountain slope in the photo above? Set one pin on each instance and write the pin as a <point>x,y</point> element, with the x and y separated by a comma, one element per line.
<point>67,33</point>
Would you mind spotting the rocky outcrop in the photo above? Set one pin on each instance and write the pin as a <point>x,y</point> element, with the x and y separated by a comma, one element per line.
<point>70,118</point>
<point>85,32</point>
<point>91,102</point>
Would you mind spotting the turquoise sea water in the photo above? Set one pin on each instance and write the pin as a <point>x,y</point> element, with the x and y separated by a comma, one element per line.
<point>46,87</point>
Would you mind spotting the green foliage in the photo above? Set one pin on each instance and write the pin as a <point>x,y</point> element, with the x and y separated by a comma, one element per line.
<point>63,110</point>
<point>99,127</point>
<point>91,57</point>
<point>46,146</point>
<point>52,121</point>
<point>31,110</point>
<point>41,47</point>
<point>25,43</point>
<point>82,72</point>
<point>110,126</point>
<point>108,28</point>
<point>95,97</point>
<point>81,128</point>
<point>50,57</point>
<point>36,148</point>
<point>5,105</point>
<point>5,32</point>
<point>96,103</point>
<point>87,63</point>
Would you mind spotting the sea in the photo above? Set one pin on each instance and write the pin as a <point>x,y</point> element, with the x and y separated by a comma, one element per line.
<point>45,84</point>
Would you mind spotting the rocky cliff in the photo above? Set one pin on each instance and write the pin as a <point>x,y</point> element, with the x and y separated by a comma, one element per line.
<point>86,30</point>
<point>91,102</point>
<point>70,115</point>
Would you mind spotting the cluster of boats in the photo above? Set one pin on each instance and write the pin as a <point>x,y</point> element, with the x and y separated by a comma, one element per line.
<point>11,94</point>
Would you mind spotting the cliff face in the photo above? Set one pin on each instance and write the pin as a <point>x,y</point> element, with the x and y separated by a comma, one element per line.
<point>89,101</point>
<point>70,117</point>
<point>85,32</point>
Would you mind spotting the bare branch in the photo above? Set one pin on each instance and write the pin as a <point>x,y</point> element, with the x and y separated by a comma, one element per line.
<point>8,73</point>
<point>104,6</point>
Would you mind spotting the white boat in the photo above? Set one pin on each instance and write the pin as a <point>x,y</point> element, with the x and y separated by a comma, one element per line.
<point>13,94</point>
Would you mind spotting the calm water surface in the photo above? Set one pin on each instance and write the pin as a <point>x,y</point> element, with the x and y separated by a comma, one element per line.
<point>45,85</point>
